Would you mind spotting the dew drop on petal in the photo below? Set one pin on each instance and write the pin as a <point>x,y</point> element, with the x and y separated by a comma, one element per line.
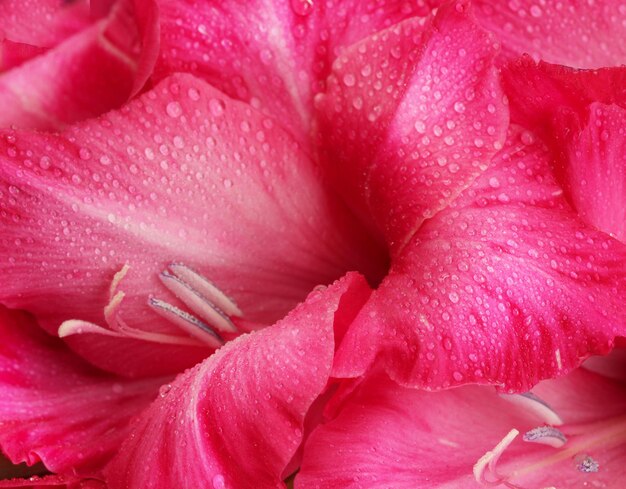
<point>219,482</point>
<point>174,109</point>
<point>302,7</point>
<point>216,107</point>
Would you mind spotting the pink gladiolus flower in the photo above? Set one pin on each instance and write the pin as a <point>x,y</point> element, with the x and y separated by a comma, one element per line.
<point>175,244</point>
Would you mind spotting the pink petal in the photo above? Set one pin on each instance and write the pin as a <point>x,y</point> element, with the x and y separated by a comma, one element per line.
<point>43,23</point>
<point>182,174</point>
<point>506,286</point>
<point>592,166</point>
<point>581,114</point>
<point>86,75</point>
<point>537,91</point>
<point>612,366</point>
<point>13,54</point>
<point>57,409</point>
<point>571,32</point>
<point>411,117</point>
<point>253,49</point>
<point>389,436</point>
<point>53,482</point>
<point>237,419</point>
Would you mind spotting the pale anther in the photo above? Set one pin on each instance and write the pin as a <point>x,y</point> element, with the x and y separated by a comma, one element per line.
<point>197,302</point>
<point>546,435</point>
<point>187,322</point>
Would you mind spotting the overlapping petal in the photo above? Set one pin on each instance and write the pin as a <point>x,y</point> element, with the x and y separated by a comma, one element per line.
<point>411,117</point>
<point>53,482</point>
<point>57,409</point>
<point>42,23</point>
<point>580,114</point>
<point>390,436</point>
<point>253,50</point>
<point>506,286</point>
<point>537,91</point>
<point>575,33</point>
<point>182,174</point>
<point>237,419</point>
<point>87,74</point>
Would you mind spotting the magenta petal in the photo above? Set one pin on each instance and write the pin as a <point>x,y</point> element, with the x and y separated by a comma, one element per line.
<point>237,419</point>
<point>592,166</point>
<point>42,23</point>
<point>253,49</point>
<point>84,76</point>
<point>53,482</point>
<point>13,54</point>
<point>581,115</point>
<point>537,91</point>
<point>390,436</point>
<point>506,286</point>
<point>412,115</point>
<point>54,407</point>
<point>571,32</point>
<point>182,174</point>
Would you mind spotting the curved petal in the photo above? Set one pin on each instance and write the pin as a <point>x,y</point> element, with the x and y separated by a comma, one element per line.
<point>411,117</point>
<point>13,54</point>
<point>571,32</point>
<point>592,165</point>
<point>581,114</point>
<point>89,73</point>
<point>57,409</point>
<point>42,23</point>
<point>91,219</point>
<point>255,49</point>
<point>506,286</point>
<point>537,91</point>
<point>237,419</point>
<point>390,436</point>
<point>54,482</point>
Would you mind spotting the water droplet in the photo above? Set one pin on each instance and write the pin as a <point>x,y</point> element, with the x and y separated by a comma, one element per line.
<point>219,482</point>
<point>302,7</point>
<point>459,107</point>
<point>84,153</point>
<point>164,390</point>
<point>228,183</point>
<point>217,107</point>
<point>458,376</point>
<point>349,80</point>
<point>420,127</point>
<point>535,11</point>
<point>193,94</point>
<point>174,109</point>
<point>45,162</point>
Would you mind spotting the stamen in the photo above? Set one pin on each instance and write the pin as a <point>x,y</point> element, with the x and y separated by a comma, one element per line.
<point>187,322</point>
<point>197,303</point>
<point>487,463</point>
<point>77,327</point>
<point>533,403</point>
<point>206,288</point>
<point>546,435</point>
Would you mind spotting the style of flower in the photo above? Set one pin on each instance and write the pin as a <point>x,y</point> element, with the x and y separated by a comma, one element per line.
<point>207,208</point>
